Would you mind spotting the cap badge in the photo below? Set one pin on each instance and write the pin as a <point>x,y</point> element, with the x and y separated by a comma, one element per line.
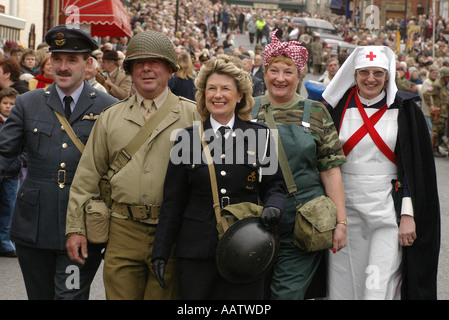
<point>60,41</point>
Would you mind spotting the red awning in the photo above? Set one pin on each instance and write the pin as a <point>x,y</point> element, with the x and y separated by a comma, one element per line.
<point>105,17</point>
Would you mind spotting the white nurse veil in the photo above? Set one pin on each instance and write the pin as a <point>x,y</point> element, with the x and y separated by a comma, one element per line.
<point>362,57</point>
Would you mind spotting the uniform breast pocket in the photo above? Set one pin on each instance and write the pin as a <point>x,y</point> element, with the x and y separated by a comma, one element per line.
<point>83,132</point>
<point>38,135</point>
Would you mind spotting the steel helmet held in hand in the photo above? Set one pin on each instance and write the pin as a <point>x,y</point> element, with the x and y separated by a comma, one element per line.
<point>246,251</point>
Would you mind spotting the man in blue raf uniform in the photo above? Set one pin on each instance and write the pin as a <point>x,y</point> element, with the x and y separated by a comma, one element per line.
<point>38,224</point>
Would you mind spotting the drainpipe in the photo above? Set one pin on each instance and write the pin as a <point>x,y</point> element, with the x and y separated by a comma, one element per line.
<point>13,8</point>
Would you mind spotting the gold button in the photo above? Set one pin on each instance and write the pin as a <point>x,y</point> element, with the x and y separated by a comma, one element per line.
<point>61,186</point>
<point>223,191</point>
<point>193,166</point>
<point>254,164</point>
<point>65,145</point>
<point>62,128</point>
<point>35,130</point>
<point>223,173</point>
<point>223,156</point>
<point>63,165</point>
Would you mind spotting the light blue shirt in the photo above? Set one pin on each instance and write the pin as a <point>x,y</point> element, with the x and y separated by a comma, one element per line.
<point>75,95</point>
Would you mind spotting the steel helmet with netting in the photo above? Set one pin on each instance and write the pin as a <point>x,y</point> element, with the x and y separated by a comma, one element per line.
<point>150,44</point>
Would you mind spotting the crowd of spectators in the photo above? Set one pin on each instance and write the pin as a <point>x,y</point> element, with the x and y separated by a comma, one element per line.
<point>204,28</point>
<point>200,24</point>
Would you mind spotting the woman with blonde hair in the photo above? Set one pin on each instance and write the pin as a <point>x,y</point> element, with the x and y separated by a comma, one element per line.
<point>182,82</point>
<point>231,66</point>
<point>187,217</point>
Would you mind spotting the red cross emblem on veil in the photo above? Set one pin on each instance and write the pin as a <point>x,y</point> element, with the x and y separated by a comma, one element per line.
<point>371,56</point>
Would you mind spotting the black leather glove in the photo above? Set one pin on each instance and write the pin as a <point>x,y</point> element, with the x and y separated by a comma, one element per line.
<point>270,217</point>
<point>158,266</point>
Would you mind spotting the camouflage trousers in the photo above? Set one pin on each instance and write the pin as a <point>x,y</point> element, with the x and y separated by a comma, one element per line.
<point>438,131</point>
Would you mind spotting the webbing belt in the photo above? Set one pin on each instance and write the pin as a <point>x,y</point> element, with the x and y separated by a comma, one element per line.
<point>138,212</point>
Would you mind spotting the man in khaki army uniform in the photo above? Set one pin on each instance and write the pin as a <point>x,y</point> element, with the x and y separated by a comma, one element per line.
<point>437,97</point>
<point>136,190</point>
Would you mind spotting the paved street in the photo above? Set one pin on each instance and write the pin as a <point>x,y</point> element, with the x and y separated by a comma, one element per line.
<point>443,189</point>
<point>12,286</point>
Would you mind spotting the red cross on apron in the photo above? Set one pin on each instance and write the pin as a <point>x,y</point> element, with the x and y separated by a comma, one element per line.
<point>367,127</point>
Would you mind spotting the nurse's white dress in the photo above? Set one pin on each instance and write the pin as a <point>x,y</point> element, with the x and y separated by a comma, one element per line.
<point>369,266</point>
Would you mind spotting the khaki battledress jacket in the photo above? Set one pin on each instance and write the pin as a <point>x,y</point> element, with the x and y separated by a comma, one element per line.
<point>140,182</point>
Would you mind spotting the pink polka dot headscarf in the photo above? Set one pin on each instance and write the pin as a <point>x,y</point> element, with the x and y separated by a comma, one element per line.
<point>291,49</point>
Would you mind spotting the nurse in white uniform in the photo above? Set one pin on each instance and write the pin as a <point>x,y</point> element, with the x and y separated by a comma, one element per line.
<point>370,266</point>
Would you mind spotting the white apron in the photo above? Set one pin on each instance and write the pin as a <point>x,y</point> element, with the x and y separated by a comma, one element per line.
<point>369,266</point>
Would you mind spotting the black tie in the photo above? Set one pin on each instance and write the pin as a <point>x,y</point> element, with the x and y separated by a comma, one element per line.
<point>222,131</point>
<point>67,101</point>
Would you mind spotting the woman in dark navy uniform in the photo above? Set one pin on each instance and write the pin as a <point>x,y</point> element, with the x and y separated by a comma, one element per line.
<point>243,174</point>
